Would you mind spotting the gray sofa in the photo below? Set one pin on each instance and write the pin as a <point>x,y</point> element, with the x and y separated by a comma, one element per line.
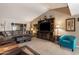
<point>16,36</point>
<point>4,41</point>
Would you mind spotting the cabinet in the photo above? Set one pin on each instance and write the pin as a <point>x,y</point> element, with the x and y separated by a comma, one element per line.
<point>48,35</point>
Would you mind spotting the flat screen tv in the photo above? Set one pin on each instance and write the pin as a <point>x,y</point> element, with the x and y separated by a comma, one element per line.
<point>45,26</point>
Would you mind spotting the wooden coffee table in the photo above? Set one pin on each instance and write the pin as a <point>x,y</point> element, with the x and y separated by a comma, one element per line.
<point>29,50</point>
<point>9,48</point>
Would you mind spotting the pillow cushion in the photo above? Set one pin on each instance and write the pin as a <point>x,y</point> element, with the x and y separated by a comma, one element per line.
<point>2,38</point>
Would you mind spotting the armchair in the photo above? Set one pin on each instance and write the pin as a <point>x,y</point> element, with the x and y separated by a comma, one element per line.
<point>68,41</point>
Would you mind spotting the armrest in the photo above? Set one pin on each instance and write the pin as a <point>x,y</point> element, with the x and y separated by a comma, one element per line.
<point>74,43</point>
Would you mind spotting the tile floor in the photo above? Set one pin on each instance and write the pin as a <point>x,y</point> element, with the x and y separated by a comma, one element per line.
<point>45,47</point>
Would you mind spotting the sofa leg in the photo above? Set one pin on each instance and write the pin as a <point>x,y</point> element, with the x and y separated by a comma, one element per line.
<point>72,50</point>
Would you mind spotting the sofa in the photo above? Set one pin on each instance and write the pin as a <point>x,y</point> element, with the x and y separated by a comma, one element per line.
<point>4,41</point>
<point>17,36</point>
<point>22,37</point>
<point>68,41</point>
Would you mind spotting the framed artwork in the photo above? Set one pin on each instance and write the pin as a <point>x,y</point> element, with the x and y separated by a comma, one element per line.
<point>70,24</point>
<point>78,20</point>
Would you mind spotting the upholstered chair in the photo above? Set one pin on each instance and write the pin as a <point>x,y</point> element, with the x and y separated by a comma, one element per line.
<point>68,41</point>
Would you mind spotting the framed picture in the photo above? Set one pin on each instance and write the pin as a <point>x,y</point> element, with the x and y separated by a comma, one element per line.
<point>78,20</point>
<point>70,24</point>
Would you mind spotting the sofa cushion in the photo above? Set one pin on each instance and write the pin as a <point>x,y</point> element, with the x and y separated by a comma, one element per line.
<point>2,38</point>
<point>8,34</point>
<point>66,41</point>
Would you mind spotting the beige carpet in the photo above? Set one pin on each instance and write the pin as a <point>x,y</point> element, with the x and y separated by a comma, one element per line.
<point>45,47</point>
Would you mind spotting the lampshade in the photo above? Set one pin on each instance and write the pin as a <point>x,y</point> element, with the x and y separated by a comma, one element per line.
<point>57,26</point>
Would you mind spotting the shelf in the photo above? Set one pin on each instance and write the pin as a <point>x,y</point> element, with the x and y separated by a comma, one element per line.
<point>48,35</point>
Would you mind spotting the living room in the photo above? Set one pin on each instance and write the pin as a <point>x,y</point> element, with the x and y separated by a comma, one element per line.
<point>24,26</point>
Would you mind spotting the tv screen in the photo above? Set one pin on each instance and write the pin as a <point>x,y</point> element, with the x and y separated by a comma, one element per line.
<point>45,26</point>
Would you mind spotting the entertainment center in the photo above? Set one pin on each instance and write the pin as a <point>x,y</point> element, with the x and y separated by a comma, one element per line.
<point>46,29</point>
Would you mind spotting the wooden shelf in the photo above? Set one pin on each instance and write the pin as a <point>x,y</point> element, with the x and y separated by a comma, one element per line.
<point>48,35</point>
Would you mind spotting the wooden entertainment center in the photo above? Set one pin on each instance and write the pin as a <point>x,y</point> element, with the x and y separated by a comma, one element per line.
<point>46,34</point>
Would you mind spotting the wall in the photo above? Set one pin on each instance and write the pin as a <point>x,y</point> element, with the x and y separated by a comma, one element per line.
<point>28,26</point>
<point>7,22</point>
<point>60,19</point>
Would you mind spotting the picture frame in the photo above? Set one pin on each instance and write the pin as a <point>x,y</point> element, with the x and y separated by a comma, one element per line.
<point>70,24</point>
<point>78,19</point>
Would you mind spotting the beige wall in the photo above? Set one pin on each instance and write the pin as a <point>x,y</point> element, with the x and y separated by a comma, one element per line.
<point>60,18</point>
<point>28,26</point>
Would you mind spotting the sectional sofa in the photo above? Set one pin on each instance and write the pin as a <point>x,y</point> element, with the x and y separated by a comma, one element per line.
<point>17,36</point>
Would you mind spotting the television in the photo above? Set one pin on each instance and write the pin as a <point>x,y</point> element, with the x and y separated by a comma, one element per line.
<point>45,26</point>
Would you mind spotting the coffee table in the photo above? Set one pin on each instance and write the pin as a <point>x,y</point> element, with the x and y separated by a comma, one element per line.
<point>29,50</point>
<point>9,49</point>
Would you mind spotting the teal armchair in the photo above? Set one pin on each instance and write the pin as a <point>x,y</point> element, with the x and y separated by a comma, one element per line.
<point>68,41</point>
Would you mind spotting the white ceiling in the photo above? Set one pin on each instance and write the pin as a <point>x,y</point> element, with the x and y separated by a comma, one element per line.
<point>26,11</point>
<point>74,9</point>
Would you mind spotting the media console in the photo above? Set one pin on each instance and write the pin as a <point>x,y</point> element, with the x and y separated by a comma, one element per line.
<point>46,29</point>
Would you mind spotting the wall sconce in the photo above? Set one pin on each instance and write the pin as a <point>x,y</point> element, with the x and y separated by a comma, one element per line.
<point>33,31</point>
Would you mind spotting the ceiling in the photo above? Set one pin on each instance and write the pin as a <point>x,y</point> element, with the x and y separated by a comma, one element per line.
<point>26,11</point>
<point>64,10</point>
<point>74,9</point>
